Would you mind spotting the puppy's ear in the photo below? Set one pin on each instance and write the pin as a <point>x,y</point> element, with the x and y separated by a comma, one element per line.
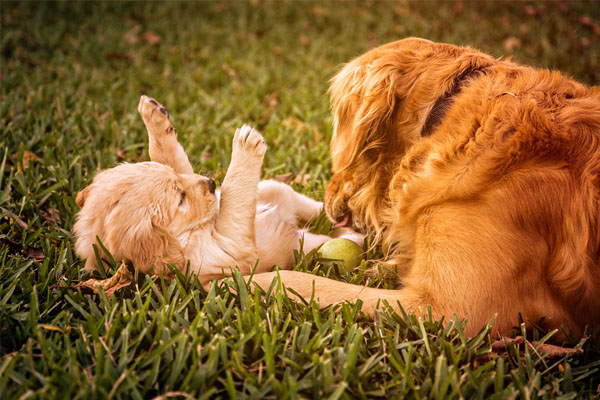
<point>141,237</point>
<point>81,196</point>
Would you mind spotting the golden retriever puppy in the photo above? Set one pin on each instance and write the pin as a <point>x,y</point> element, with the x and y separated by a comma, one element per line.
<point>159,213</point>
<point>479,177</point>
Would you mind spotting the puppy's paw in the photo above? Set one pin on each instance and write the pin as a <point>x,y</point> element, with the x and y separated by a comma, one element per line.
<point>248,142</point>
<point>156,117</point>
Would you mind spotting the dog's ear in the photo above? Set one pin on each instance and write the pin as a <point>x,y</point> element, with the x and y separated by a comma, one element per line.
<point>141,237</point>
<point>380,100</point>
<point>365,97</point>
<point>81,196</point>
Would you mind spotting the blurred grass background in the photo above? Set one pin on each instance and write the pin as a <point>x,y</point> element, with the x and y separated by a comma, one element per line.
<point>71,75</point>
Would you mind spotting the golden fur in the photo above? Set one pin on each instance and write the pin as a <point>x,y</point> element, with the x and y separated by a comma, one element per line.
<point>496,212</point>
<point>159,213</point>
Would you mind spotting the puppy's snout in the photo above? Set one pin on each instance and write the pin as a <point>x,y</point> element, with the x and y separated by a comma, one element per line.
<point>212,186</point>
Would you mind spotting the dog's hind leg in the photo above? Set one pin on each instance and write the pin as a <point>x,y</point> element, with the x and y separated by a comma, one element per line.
<point>291,204</point>
<point>163,145</point>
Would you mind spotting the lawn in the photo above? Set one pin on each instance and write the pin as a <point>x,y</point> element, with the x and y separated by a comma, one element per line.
<point>71,75</point>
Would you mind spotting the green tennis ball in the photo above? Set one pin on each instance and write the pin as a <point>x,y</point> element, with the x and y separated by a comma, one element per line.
<point>343,252</point>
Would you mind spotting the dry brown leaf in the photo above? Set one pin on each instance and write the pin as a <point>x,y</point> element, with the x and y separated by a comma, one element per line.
<point>272,102</point>
<point>285,178</point>
<point>302,179</point>
<point>320,11</point>
<point>51,216</point>
<point>229,70</point>
<point>131,36</point>
<point>586,20</point>
<point>118,57</point>
<point>511,43</point>
<point>458,8</point>
<point>549,350</point>
<point>119,280</point>
<point>304,40</point>
<point>15,218</point>
<point>273,99</point>
<point>27,157</point>
<point>585,42</point>
<point>277,51</point>
<point>35,254</point>
<point>151,37</point>
<point>530,10</point>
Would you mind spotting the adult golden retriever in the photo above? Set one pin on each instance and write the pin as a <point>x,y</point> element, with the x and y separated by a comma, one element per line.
<point>481,180</point>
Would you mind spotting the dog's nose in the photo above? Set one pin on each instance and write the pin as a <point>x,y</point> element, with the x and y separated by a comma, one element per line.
<point>211,185</point>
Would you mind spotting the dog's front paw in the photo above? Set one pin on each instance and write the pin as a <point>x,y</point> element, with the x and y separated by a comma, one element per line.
<point>248,142</point>
<point>155,116</point>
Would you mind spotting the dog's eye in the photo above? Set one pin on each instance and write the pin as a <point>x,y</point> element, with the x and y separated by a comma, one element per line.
<point>182,198</point>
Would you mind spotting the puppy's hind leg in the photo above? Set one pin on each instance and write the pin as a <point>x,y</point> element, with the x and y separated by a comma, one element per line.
<point>290,203</point>
<point>163,145</point>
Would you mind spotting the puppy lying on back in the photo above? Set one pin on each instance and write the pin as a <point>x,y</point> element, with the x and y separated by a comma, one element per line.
<point>159,213</point>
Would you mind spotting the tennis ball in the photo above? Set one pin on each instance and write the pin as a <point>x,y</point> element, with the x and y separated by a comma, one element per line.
<point>343,252</point>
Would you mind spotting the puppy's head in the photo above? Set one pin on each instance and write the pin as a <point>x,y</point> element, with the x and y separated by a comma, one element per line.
<point>380,102</point>
<point>138,210</point>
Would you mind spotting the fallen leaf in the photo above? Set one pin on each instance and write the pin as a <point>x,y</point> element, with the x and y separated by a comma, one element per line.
<point>15,218</point>
<point>586,20</point>
<point>220,7</point>
<point>120,279</point>
<point>277,51</point>
<point>151,37</point>
<point>458,8</point>
<point>320,11</point>
<point>229,70</point>
<point>273,99</point>
<point>118,57</point>
<point>27,157</point>
<point>272,102</point>
<point>529,10</point>
<point>585,42</point>
<point>304,40</point>
<point>35,254</point>
<point>549,350</point>
<point>51,216</point>
<point>511,43</point>
<point>285,178</point>
<point>131,36</point>
<point>302,179</point>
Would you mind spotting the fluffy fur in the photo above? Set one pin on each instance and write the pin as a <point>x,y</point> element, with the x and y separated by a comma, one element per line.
<point>159,213</point>
<point>495,211</point>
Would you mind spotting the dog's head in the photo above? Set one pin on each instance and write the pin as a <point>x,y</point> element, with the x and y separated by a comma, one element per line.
<point>380,102</point>
<point>138,211</point>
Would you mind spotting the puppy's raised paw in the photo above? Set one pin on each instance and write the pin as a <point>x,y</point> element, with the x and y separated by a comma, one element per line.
<point>155,116</point>
<point>248,141</point>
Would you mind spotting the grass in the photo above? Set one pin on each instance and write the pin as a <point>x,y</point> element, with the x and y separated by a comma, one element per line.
<point>71,75</point>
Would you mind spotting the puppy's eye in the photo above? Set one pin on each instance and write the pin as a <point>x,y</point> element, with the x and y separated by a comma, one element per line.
<point>182,198</point>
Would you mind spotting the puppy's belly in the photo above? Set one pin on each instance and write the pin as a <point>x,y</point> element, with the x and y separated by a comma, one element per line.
<point>276,238</point>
